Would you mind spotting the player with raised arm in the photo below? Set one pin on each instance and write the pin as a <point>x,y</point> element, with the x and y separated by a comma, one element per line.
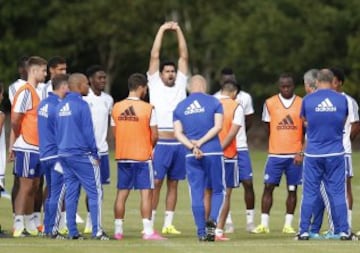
<point>167,87</point>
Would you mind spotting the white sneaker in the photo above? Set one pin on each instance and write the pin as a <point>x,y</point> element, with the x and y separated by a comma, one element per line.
<point>250,227</point>
<point>79,219</point>
<point>229,228</point>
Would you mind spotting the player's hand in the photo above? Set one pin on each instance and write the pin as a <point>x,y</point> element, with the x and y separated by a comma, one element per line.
<point>175,26</point>
<point>166,26</point>
<point>11,156</point>
<point>298,159</point>
<point>197,152</point>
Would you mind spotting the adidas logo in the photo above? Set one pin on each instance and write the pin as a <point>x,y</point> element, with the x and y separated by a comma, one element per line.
<point>43,111</point>
<point>65,110</point>
<point>325,106</point>
<point>129,114</point>
<point>286,123</point>
<point>194,107</point>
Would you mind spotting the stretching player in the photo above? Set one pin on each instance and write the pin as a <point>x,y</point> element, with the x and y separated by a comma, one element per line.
<point>167,87</point>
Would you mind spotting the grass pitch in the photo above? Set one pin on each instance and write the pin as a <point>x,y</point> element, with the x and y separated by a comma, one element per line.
<point>241,241</point>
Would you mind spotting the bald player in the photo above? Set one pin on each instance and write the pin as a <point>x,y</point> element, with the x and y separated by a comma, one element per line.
<point>197,122</point>
<point>78,156</point>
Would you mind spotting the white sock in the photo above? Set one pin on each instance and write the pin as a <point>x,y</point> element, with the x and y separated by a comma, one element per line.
<point>219,232</point>
<point>169,216</point>
<point>153,214</point>
<point>88,221</point>
<point>29,222</point>
<point>148,228</point>
<point>37,218</point>
<point>19,222</point>
<point>288,219</point>
<point>250,213</point>
<point>228,219</point>
<point>62,221</point>
<point>265,219</point>
<point>118,226</point>
<point>349,218</point>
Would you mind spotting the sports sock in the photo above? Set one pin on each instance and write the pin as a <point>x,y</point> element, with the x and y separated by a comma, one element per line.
<point>153,214</point>
<point>148,228</point>
<point>265,219</point>
<point>229,219</point>
<point>250,216</point>
<point>88,222</point>
<point>118,224</point>
<point>169,216</point>
<point>288,219</point>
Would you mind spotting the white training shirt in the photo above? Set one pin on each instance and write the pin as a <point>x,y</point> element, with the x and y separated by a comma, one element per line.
<point>353,116</point>
<point>13,89</point>
<point>153,118</point>
<point>165,99</point>
<point>45,89</point>
<point>100,107</point>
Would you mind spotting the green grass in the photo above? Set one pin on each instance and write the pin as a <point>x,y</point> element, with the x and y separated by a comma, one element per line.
<point>187,241</point>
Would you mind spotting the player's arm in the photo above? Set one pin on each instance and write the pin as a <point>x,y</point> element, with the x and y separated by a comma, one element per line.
<point>179,134</point>
<point>218,121</point>
<point>154,135</point>
<point>16,119</point>
<point>355,130</point>
<point>266,119</point>
<point>88,130</point>
<point>183,62</point>
<point>248,121</point>
<point>231,135</point>
<point>155,50</point>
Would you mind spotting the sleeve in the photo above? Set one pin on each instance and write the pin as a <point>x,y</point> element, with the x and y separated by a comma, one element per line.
<point>248,106</point>
<point>175,115</point>
<point>112,121</point>
<point>219,107</point>
<point>181,80</point>
<point>88,129</point>
<point>353,108</point>
<point>239,116</point>
<point>23,102</point>
<point>153,79</point>
<point>265,114</point>
<point>111,100</point>
<point>302,110</point>
<point>153,119</point>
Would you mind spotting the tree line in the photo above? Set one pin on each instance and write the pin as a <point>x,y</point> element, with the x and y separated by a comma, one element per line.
<point>259,39</point>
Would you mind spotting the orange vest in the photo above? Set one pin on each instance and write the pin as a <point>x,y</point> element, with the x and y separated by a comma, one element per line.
<point>286,126</point>
<point>28,125</point>
<point>229,106</point>
<point>132,130</point>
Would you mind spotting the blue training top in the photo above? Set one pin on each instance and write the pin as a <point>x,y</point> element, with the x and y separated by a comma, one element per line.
<point>196,114</point>
<point>325,111</point>
<point>46,126</point>
<point>75,131</point>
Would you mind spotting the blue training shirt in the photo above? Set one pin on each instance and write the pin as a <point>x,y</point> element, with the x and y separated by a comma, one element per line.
<point>46,127</point>
<point>196,114</point>
<point>325,111</point>
<point>75,131</point>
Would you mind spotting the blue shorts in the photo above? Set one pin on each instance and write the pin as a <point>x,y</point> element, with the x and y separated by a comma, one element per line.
<point>169,160</point>
<point>349,166</point>
<point>135,175</point>
<point>231,173</point>
<point>244,163</point>
<point>276,166</point>
<point>27,164</point>
<point>104,169</point>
